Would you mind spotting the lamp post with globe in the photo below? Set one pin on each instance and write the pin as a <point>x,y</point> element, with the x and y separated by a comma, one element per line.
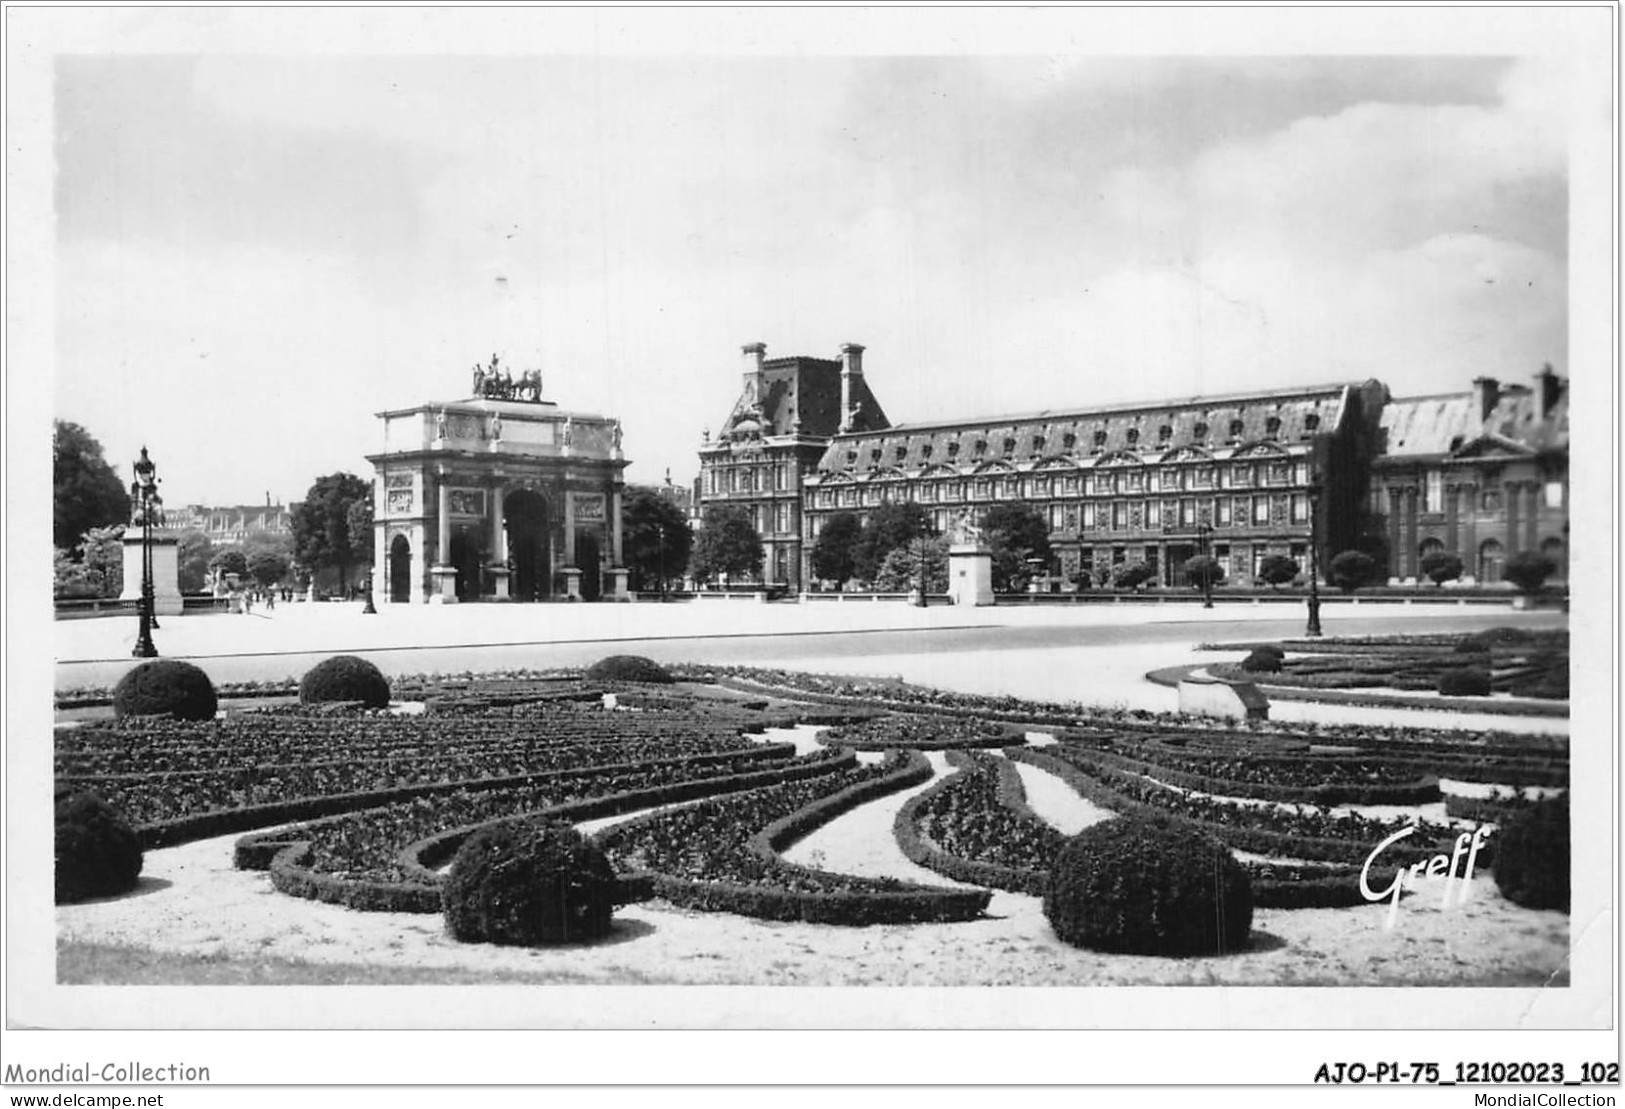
<point>144,491</point>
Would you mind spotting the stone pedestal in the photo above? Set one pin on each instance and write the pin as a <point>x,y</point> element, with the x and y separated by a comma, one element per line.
<point>445,585</point>
<point>617,590</point>
<point>166,576</point>
<point>970,574</point>
<point>572,583</point>
<point>499,583</point>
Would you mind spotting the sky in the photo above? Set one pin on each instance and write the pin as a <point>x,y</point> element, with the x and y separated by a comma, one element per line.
<point>256,250</point>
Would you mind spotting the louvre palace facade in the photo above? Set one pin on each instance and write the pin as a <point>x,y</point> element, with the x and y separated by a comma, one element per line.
<point>1483,473</point>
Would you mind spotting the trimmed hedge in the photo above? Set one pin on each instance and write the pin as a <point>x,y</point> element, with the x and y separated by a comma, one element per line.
<point>345,678</point>
<point>629,668</point>
<point>165,686</point>
<point>97,853</point>
<point>1144,888</point>
<point>921,850</point>
<point>1465,681</point>
<point>1532,856</point>
<point>528,885</point>
<point>1262,662</point>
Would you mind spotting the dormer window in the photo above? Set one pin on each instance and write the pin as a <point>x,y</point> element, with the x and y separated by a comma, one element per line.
<point>925,450</point>
<point>900,453</point>
<point>851,456</point>
<point>1455,444</point>
<point>1069,440</point>
<point>981,447</point>
<point>953,448</point>
<point>1164,433</point>
<point>1199,432</point>
<point>1311,422</point>
<point>1038,444</point>
<point>1009,446</point>
<point>1100,439</point>
<point>1272,427</point>
<point>874,455</point>
<point>1236,427</point>
<point>1133,436</point>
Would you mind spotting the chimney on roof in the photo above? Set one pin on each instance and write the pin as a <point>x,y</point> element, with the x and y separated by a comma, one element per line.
<point>1551,387</point>
<point>851,367</point>
<point>1486,393</point>
<point>755,354</point>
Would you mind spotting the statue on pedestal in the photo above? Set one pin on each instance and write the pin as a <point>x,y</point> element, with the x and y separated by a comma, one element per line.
<point>966,531</point>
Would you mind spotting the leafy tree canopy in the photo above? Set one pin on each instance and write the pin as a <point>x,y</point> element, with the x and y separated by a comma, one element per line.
<point>728,543</point>
<point>322,523</point>
<point>1528,570</point>
<point>1441,566</point>
<point>87,492</point>
<point>656,541</point>
<point>891,525</point>
<point>900,572</point>
<point>194,556</point>
<point>1352,570</point>
<point>1014,534</point>
<point>834,555</point>
<point>1131,574</point>
<point>1204,570</point>
<point>1277,569</point>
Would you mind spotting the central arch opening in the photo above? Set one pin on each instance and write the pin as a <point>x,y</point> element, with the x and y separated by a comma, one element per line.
<point>400,571</point>
<point>530,555</point>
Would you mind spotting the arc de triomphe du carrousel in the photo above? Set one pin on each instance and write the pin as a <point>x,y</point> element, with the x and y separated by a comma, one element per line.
<point>499,496</point>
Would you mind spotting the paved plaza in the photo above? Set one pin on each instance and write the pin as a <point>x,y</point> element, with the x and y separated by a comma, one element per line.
<point>1093,654</point>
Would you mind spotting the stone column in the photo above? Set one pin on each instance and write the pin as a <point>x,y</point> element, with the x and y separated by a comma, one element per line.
<point>1531,522</point>
<point>1452,495</point>
<point>1469,534</point>
<point>380,548</point>
<point>1509,493</point>
<point>572,572</point>
<point>615,529</point>
<point>499,545</point>
<point>1396,563</point>
<point>1410,533</point>
<point>445,575</point>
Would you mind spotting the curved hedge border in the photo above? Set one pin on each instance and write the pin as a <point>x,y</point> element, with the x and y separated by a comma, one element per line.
<point>288,857</point>
<point>1338,889</point>
<point>1420,791</point>
<point>888,902</point>
<point>922,851</point>
<point>223,822</point>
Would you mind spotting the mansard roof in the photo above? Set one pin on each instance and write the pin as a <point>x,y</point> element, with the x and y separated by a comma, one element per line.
<point>808,389</point>
<point>1212,425</point>
<point>1449,426</point>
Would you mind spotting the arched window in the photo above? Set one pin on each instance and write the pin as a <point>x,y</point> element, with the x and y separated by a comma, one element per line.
<point>1164,433</point>
<point>1491,561</point>
<point>1133,436</point>
<point>1236,427</point>
<point>1069,440</point>
<point>1199,432</point>
<point>1100,438</point>
<point>1272,427</point>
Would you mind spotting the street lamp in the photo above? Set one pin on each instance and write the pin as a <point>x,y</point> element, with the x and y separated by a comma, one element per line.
<point>1204,534</point>
<point>144,491</point>
<point>925,532</point>
<point>660,545</point>
<point>369,609</point>
<point>1313,630</point>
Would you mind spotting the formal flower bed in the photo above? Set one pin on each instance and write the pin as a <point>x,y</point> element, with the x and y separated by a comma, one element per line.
<point>924,732</point>
<point>975,826</point>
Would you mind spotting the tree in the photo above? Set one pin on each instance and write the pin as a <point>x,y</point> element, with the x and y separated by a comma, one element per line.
<point>1352,570</point>
<point>1277,569</point>
<point>1130,575</point>
<point>891,525</point>
<point>229,560</point>
<point>358,522</point>
<point>196,552</point>
<point>1528,570</point>
<point>87,491</point>
<point>728,543</point>
<point>900,572</point>
<point>1204,571</point>
<point>104,558</point>
<point>1014,534</point>
<point>656,540</point>
<point>1441,566</point>
<point>268,567</point>
<point>321,524</point>
<point>834,554</point>
<point>71,578</point>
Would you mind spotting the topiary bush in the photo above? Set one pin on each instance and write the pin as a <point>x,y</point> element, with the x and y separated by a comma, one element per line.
<point>165,685</point>
<point>345,678</point>
<point>529,884</point>
<point>1464,681</point>
<point>1147,888</point>
<point>1532,856</point>
<point>629,668</point>
<point>1262,661</point>
<point>1471,645</point>
<point>98,854</point>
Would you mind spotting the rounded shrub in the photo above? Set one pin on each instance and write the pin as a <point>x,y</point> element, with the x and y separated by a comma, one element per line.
<point>345,678</point>
<point>629,668</point>
<point>1471,645</point>
<point>529,884</point>
<point>1147,888</point>
<point>97,852</point>
<point>1263,661</point>
<point>1532,856</point>
<point>165,685</point>
<point>1465,681</point>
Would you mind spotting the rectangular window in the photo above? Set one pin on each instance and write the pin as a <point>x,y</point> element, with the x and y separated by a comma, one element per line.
<point>1203,476</point>
<point>1151,561</point>
<point>1261,510</point>
<point>1187,512</point>
<point>1300,508</point>
<point>1490,501</point>
<point>781,477</point>
<point>1089,515</point>
<point>1433,491</point>
<point>1280,473</point>
<point>1300,472</point>
<point>1057,520</point>
<point>1242,474</point>
<point>1222,518</point>
<point>1072,486</point>
<point>1554,494</point>
<point>784,517</point>
<point>1153,514</point>
<point>1226,478</point>
<point>1153,481</point>
<point>1136,481</point>
<point>1119,515</point>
